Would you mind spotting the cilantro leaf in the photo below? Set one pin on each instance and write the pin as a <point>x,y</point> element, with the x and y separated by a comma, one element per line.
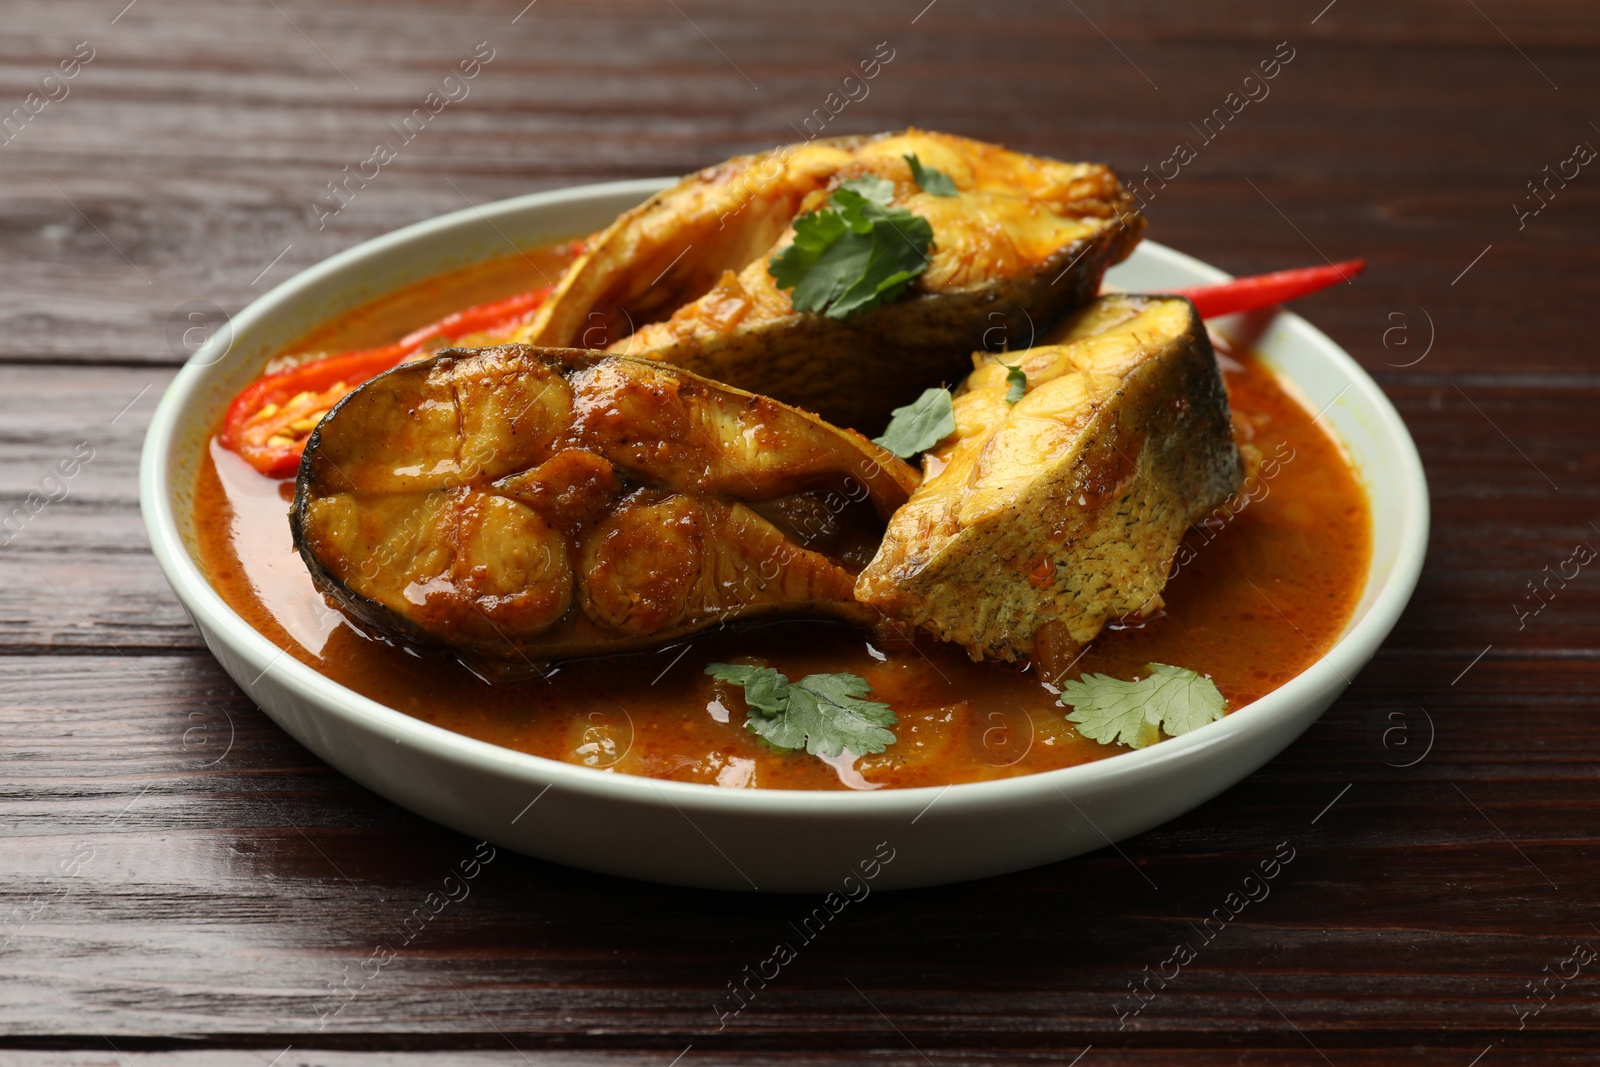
<point>821,713</point>
<point>932,182</point>
<point>764,687</point>
<point>920,425</point>
<point>855,253</point>
<point>861,195</point>
<point>1016,383</point>
<point>892,262</point>
<point>1112,711</point>
<point>791,266</point>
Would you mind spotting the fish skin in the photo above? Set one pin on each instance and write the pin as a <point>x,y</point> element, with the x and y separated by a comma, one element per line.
<point>1039,524</point>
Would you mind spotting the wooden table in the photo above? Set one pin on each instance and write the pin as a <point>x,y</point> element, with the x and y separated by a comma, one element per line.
<point>167,901</point>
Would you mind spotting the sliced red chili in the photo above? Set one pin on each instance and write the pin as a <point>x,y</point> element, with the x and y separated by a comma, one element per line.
<point>270,420</point>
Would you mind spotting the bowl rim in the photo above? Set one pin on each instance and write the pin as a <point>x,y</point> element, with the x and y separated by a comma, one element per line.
<point>213,615</point>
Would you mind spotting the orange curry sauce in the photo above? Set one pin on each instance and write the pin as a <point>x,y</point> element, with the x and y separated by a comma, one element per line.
<point>1303,542</point>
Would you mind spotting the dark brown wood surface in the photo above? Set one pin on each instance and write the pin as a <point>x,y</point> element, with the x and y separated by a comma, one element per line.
<point>165,898</point>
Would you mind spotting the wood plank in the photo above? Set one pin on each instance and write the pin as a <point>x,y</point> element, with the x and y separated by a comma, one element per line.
<point>213,895</point>
<point>1429,188</point>
<point>898,1055</point>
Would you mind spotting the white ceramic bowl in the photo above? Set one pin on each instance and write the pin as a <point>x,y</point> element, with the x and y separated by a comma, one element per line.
<point>768,840</point>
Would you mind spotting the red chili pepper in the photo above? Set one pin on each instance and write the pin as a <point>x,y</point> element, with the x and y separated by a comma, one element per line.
<point>271,418</point>
<point>479,318</point>
<point>1264,290</point>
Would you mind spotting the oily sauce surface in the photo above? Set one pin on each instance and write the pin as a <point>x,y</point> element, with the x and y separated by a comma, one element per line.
<point>1257,594</point>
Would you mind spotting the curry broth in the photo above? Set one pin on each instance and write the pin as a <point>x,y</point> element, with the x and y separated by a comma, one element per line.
<point>1256,596</point>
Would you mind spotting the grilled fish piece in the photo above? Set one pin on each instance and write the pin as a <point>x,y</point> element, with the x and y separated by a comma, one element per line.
<point>684,277</point>
<point>1037,523</point>
<point>539,504</point>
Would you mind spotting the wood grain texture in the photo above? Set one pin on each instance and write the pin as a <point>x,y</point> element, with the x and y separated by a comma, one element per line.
<point>182,884</point>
